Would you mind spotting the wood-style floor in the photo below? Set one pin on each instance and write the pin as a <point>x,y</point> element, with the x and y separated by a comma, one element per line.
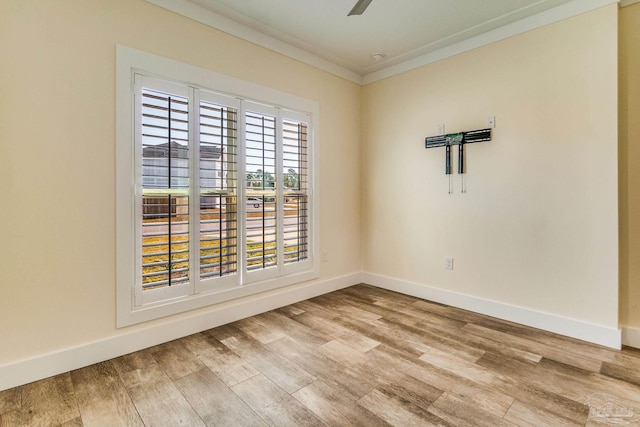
<point>361,356</point>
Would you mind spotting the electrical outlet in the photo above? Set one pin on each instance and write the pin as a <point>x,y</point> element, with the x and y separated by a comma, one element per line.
<point>448,263</point>
<point>325,256</point>
<point>491,122</point>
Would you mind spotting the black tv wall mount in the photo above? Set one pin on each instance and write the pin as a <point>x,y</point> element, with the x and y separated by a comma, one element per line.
<point>459,139</point>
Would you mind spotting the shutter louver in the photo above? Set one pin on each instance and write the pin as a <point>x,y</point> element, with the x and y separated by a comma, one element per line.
<point>295,177</point>
<point>218,190</point>
<point>165,181</point>
<point>261,200</point>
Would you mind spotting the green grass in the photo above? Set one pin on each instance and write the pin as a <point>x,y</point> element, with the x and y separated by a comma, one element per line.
<point>155,248</point>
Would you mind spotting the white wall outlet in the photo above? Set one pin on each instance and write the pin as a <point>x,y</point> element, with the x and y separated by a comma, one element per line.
<point>325,256</point>
<point>448,263</point>
<point>491,122</point>
<point>441,129</point>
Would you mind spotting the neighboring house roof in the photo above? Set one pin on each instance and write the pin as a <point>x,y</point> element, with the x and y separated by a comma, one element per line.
<point>179,151</point>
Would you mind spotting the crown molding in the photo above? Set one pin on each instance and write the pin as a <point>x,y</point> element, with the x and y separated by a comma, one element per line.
<point>212,19</point>
<point>538,20</point>
<point>219,22</point>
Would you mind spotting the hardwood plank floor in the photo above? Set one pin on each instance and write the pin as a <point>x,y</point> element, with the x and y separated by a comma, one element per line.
<point>361,356</point>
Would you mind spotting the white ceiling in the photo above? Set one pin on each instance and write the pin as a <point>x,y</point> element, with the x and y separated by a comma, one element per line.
<point>403,30</point>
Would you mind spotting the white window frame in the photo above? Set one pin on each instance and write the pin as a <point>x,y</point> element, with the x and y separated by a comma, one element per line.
<point>130,62</point>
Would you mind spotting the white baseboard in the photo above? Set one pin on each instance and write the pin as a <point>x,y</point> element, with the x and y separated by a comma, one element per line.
<point>631,336</point>
<point>47,365</point>
<point>609,337</point>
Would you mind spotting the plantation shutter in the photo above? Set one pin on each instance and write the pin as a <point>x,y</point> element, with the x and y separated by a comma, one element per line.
<point>214,190</point>
<point>218,188</point>
<point>222,192</point>
<point>163,258</point>
<point>296,188</point>
<point>295,184</point>
<point>261,198</point>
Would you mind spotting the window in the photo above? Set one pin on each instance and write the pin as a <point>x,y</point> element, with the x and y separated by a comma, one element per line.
<point>214,190</point>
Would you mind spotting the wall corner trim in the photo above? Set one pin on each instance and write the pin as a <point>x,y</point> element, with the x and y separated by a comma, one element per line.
<point>625,3</point>
<point>631,336</point>
<point>609,337</point>
<point>58,362</point>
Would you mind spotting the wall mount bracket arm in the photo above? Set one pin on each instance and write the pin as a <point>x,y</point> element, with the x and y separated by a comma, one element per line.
<point>459,138</point>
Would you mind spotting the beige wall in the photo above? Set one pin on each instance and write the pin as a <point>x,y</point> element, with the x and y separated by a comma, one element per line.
<point>629,173</point>
<point>538,226</point>
<point>57,131</point>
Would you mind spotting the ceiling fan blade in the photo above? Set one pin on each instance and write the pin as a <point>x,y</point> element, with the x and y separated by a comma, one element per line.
<point>360,7</point>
